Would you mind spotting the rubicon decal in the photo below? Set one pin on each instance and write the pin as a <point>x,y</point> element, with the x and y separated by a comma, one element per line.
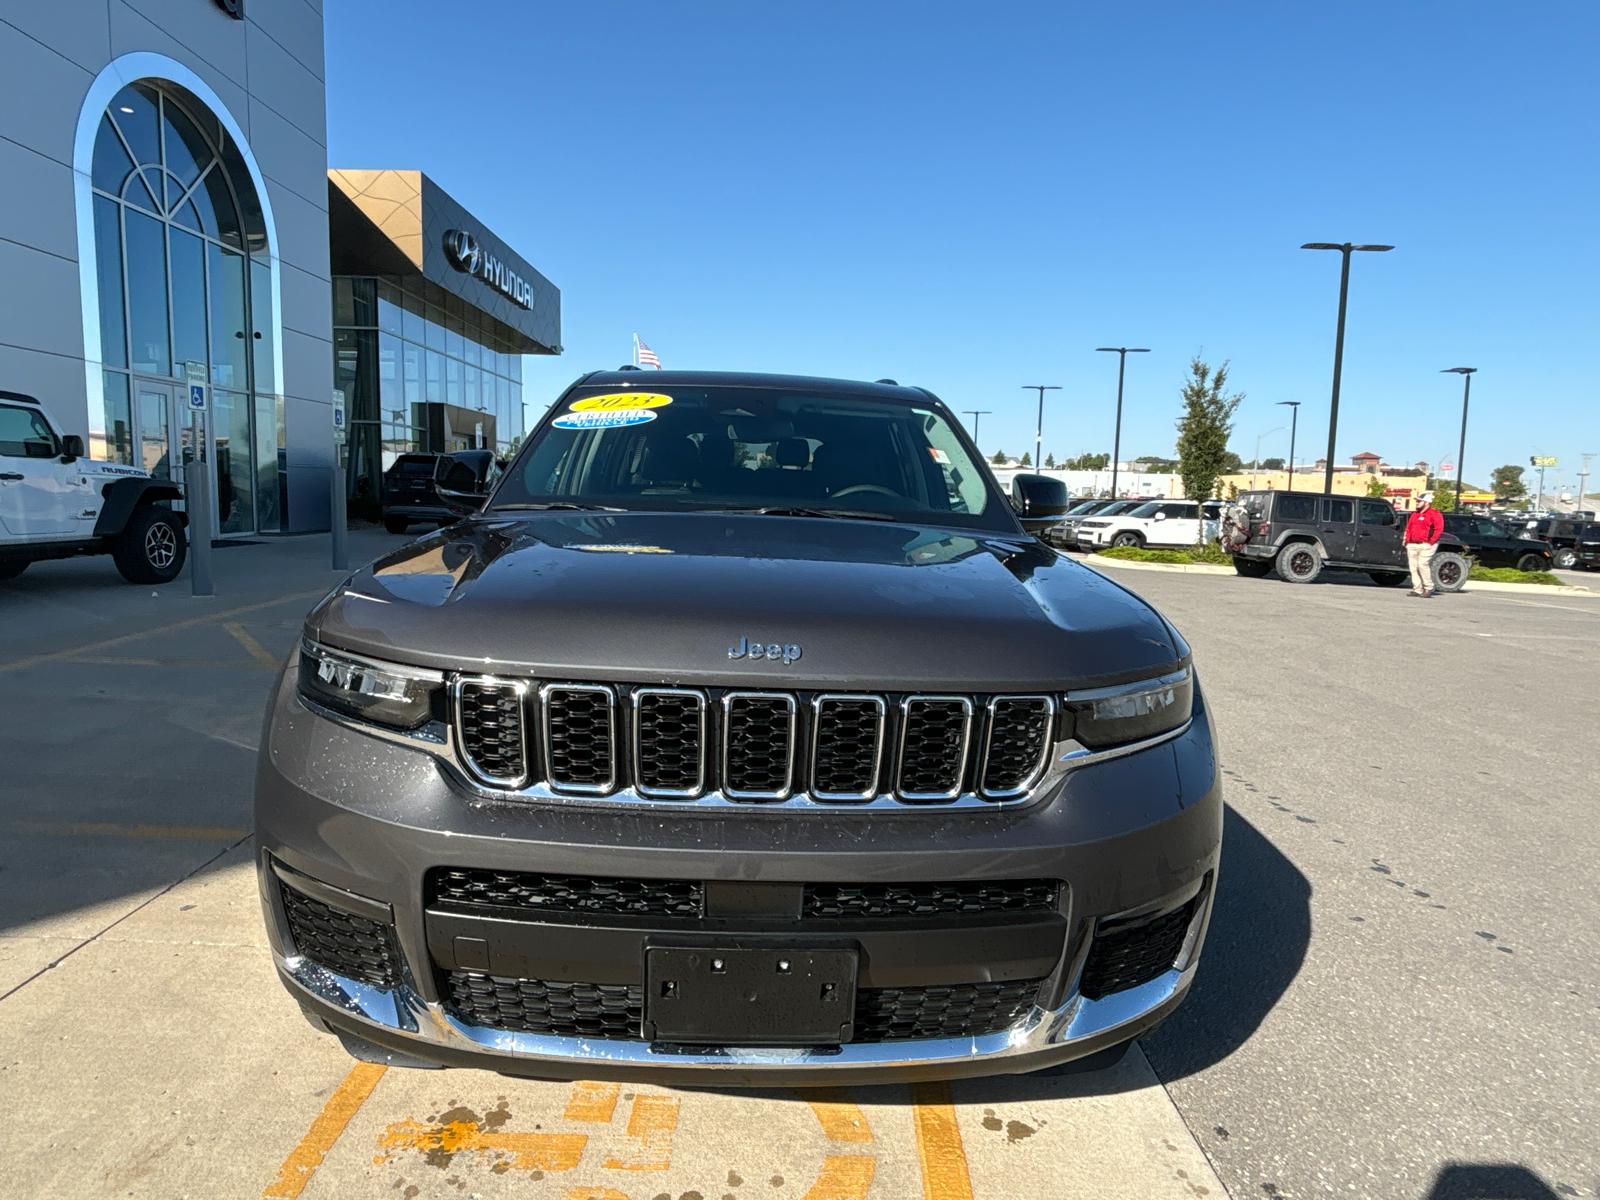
<point>775,651</point>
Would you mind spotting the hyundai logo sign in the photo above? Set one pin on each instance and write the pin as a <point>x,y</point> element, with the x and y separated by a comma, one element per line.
<point>465,255</point>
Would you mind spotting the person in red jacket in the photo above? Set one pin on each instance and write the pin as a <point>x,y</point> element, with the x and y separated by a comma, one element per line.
<point>1423,528</point>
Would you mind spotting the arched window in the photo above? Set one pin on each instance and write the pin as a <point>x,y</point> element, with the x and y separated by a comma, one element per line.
<point>185,295</point>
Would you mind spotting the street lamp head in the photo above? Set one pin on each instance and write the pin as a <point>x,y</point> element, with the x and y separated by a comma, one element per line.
<point>1459,371</point>
<point>1119,350</point>
<point>1321,246</point>
<point>1290,403</point>
<point>1034,387</point>
<point>1372,247</point>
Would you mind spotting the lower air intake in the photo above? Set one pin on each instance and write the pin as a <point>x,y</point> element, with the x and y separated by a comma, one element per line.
<point>953,1011</point>
<point>592,1010</point>
<point>1125,956</point>
<point>354,947</point>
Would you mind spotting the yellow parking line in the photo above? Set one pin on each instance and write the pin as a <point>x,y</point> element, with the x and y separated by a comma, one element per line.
<point>944,1162</point>
<point>841,1121</point>
<point>34,660</point>
<point>527,1151</point>
<point>593,1101</point>
<point>305,1158</point>
<point>845,1177</point>
<point>257,651</point>
<point>193,833</point>
<point>593,1193</point>
<point>652,1122</point>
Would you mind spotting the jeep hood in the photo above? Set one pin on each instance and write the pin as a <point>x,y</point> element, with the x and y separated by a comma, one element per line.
<point>662,598</point>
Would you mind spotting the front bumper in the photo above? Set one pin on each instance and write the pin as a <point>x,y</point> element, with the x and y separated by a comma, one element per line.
<point>1129,836</point>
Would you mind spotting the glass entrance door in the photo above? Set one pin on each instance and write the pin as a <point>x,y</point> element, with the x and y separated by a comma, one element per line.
<point>171,435</point>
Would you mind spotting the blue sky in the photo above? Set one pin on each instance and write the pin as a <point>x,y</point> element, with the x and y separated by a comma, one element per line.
<point>974,197</point>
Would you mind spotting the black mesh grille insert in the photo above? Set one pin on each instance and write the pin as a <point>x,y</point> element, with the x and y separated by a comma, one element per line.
<point>825,901</point>
<point>1019,730</point>
<point>933,747</point>
<point>671,749</point>
<point>348,945</point>
<point>490,717</point>
<point>534,893</point>
<point>594,1010</point>
<point>760,749</point>
<point>1129,955</point>
<point>848,743</point>
<point>957,1010</point>
<point>579,721</point>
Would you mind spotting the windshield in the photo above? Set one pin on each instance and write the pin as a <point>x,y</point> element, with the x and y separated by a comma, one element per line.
<point>1146,510</point>
<point>1085,507</point>
<point>699,448</point>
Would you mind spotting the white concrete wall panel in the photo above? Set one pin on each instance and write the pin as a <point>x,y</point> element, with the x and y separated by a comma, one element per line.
<point>291,158</point>
<point>304,295</point>
<point>200,35</point>
<point>36,204</point>
<point>39,307</point>
<point>80,32</point>
<point>43,115</point>
<point>294,25</point>
<point>281,82</point>
<point>308,375</point>
<point>56,379</point>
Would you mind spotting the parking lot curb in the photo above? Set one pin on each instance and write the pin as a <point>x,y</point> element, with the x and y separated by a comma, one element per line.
<point>1535,589</point>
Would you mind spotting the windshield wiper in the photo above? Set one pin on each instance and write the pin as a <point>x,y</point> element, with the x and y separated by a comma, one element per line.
<point>790,510</point>
<point>561,504</point>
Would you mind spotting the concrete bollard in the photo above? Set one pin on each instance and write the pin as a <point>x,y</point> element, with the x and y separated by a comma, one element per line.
<point>197,493</point>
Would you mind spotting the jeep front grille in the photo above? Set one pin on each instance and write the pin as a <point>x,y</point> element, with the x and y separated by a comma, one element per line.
<point>580,737</point>
<point>688,744</point>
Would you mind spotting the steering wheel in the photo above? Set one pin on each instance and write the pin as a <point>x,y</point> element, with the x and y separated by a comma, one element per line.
<point>867,487</point>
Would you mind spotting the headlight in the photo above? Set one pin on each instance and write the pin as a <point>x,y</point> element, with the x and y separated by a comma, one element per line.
<point>383,693</point>
<point>1131,712</point>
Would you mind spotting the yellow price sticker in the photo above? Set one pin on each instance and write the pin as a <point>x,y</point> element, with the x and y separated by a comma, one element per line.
<point>619,401</point>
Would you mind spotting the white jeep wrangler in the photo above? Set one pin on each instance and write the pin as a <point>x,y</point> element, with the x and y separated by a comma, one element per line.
<point>55,503</point>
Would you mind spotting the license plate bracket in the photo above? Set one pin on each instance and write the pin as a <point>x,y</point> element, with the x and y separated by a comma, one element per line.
<point>750,995</point>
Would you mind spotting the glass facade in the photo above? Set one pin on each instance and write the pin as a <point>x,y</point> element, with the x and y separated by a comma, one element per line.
<point>185,293</point>
<point>422,372</point>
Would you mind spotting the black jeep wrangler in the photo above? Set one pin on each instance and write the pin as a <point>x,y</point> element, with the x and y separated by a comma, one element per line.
<point>1300,533</point>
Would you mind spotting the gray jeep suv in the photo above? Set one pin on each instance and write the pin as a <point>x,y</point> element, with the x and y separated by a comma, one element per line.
<point>743,736</point>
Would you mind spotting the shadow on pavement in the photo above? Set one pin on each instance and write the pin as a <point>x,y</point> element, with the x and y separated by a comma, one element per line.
<point>1489,1181</point>
<point>1259,932</point>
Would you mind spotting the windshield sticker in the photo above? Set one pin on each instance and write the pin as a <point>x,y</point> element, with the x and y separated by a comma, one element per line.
<point>620,401</point>
<point>603,420</point>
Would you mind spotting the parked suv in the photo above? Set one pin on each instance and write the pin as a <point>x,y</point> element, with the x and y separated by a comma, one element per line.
<point>744,737</point>
<point>408,493</point>
<point>1067,534</point>
<point>1156,523</point>
<point>1493,545</point>
<point>55,503</point>
<point>1586,553</point>
<point>1559,533</point>
<point>1301,533</point>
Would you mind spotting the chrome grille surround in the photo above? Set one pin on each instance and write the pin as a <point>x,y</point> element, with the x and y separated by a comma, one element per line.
<point>920,754</point>
<point>644,737</point>
<point>478,743</point>
<point>836,704</point>
<point>561,745</point>
<point>737,716</point>
<point>1044,713</point>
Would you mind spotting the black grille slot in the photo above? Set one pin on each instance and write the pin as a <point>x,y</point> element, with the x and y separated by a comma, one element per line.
<point>1125,956</point>
<point>669,729</point>
<point>1019,735</point>
<point>580,738</point>
<point>758,746</point>
<point>533,893</point>
<point>847,745</point>
<point>956,1010</point>
<point>489,715</point>
<point>934,732</point>
<point>825,901</point>
<point>592,1010</point>
<point>355,947</point>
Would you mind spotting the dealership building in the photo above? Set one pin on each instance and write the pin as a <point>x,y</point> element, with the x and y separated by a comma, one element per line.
<point>185,278</point>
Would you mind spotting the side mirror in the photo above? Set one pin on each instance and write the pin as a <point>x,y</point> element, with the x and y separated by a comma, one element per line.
<point>459,503</point>
<point>71,448</point>
<point>1039,501</point>
<point>1161,516</point>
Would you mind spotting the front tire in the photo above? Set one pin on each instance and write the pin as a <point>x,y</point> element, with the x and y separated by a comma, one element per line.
<point>1252,568</point>
<point>1533,562</point>
<point>151,548</point>
<point>1128,538</point>
<point>1299,562</point>
<point>1388,578</point>
<point>1449,572</point>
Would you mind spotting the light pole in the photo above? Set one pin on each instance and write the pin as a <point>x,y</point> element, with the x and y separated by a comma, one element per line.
<point>1583,479</point>
<point>1122,353</point>
<point>1038,433</point>
<point>1294,425</point>
<point>975,413</point>
<point>1338,342</point>
<point>1256,461</point>
<point>1466,374</point>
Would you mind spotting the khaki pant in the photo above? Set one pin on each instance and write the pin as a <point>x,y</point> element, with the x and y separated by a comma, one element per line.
<point>1419,557</point>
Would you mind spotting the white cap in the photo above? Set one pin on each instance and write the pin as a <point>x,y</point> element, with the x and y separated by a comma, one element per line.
<point>1426,498</point>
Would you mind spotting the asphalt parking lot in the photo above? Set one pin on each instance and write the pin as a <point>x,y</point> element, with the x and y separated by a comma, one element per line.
<point>1400,995</point>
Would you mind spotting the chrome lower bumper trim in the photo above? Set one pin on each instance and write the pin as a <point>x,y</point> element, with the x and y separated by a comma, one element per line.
<point>1079,1020</point>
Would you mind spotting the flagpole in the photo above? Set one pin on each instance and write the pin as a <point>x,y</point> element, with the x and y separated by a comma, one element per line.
<point>636,348</point>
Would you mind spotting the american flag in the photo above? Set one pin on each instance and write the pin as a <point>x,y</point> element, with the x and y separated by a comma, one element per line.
<point>647,357</point>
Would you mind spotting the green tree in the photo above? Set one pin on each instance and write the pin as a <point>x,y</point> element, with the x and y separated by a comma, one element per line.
<point>1050,462</point>
<point>1508,485</point>
<point>1376,487</point>
<point>1088,462</point>
<point>1026,461</point>
<point>1204,428</point>
<point>1444,496</point>
<point>1272,464</point>
<point>999,458</point>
